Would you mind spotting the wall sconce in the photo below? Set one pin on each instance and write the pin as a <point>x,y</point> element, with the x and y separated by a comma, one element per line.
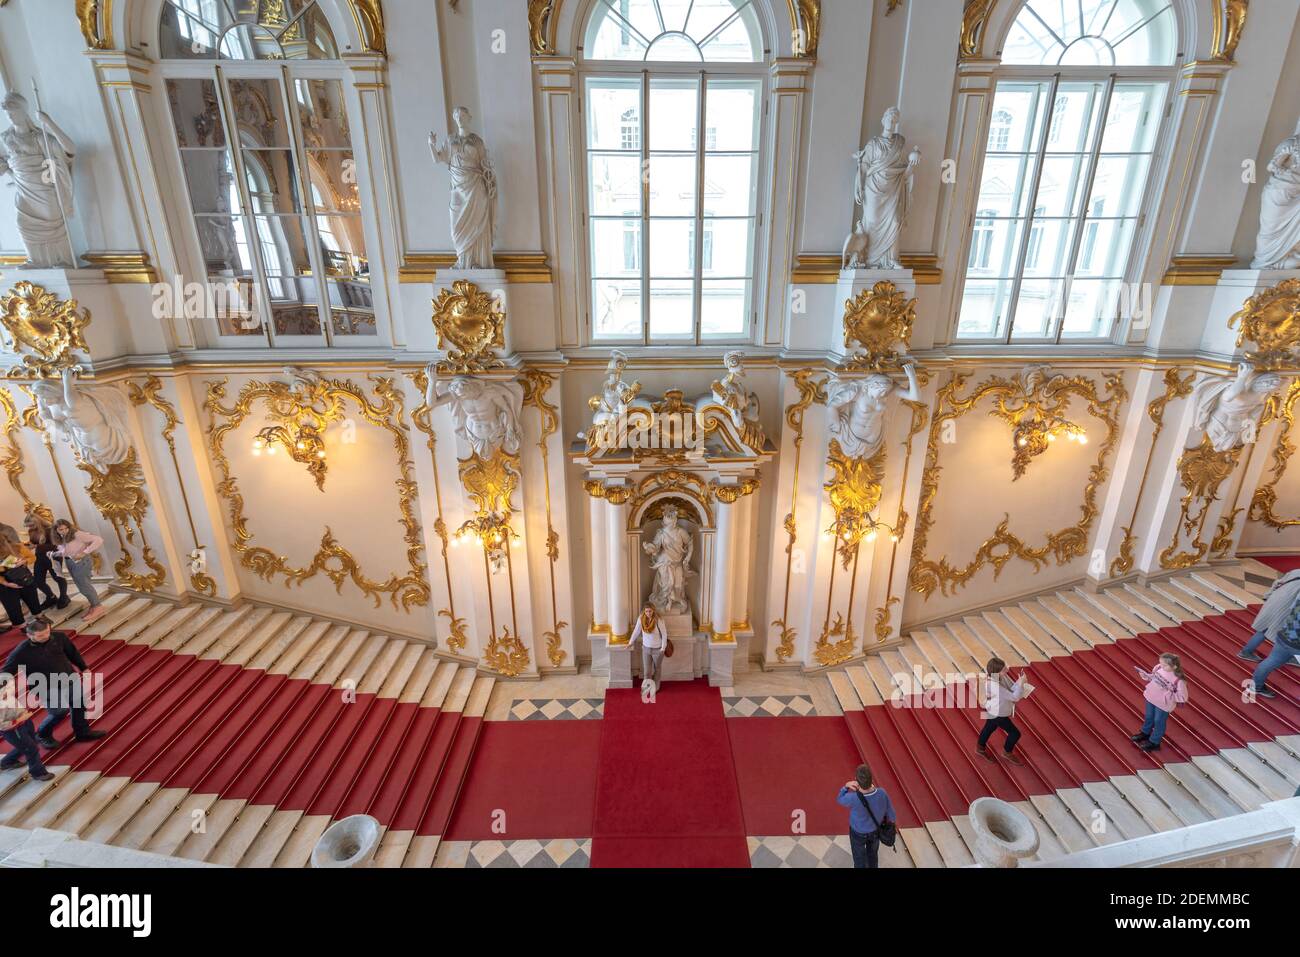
<point>493,531</point>
<point>304,443</point>
<point>304,410</point>
<point>1034,435</point>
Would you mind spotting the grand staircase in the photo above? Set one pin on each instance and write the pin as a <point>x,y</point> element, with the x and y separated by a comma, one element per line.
<point>237,737</point>
<point>1084,783</point>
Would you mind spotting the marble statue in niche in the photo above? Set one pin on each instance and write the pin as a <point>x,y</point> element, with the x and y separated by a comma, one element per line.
<point>473,192</point>
<point>857,410</point>
<point>733,393</point>
<point>883,188</point>
<point>92,419</point>
<point>1278,244</point>
<point>486,413</point>
<point>1228,409</point>
<point>38,158</point>
<point>670,558</point>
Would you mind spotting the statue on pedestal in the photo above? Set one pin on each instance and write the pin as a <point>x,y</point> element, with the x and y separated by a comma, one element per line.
<point>1278,245</point>
<point>1228,409</point>
<point>883,188</point>
<point>670,552</point>
<point>92,419</point>
<point>473,192</point>
<point>611,405</point>
<point>857,410</point>
<point>733,393</point>
<point>486,413</point>
<point>38,157</point>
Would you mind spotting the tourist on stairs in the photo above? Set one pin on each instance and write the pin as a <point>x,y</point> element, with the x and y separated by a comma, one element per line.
<point>51,663</point>
<point>1166,689</point>
<point>17,583</point>
<point>16,729</point>
<point>998,697</point>
<point>42,542</point>
<point>870,810</point>
<point>75,548</point>
<point>653,636</point>
<point>1276,622</point>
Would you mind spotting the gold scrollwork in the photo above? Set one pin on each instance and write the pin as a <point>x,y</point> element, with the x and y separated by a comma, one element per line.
<point>1202,471</point>
<point>11,458</point>
<point>1263,505</point>
<point>1176,387</point>
<point>731,494</point>
<point>456,637</point>
<point>536,384</point>
<point>835,652</point>
<point>385,412</point>
<point>97,33</point>
<point>541,38</point>
<point>883,615</point>
<point>878,320</point>
<point>811,391</point>
<point>1271,320</point>
<point>855,490</point>
<point>370,18</point>
<point>1229,24</point>
<point>974,18</point>
<point>506,654</point>
<point>44,329</point>
<point>928,575</point>
<point>806,26</point>
<point>687,484</point>
<point>471,327</point>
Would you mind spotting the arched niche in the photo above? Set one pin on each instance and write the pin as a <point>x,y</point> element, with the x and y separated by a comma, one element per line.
<point>358,25</point>
<point>567,24</point>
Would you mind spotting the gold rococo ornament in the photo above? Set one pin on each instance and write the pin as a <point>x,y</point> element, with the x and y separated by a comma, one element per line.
<point>879,320</point>
<point>1271,320</point>
<point>42,328</point>
<point>471,326</point>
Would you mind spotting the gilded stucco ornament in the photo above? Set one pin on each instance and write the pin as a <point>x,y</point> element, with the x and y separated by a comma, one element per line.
<point>806,26</point>
<point>43,329</point>
<point>471,326</point>
<point>97,30</point>
<point>506,654</point>
<point>836,643</point>
<point>854,490</point>
<point>1036,413</point>
<point>1271,321</point>
<point>974,18</point>
<point>1264,503</point>
<point>536,385</point>
<point>1229,25</point>
<point>1202,471</point>
<point>878,322</point>
<point>540,36</point>
<point>302,409</point>
<point>370,18</point>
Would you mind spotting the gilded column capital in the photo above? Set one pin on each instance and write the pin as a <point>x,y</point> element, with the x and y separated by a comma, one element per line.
<point>618,495</point>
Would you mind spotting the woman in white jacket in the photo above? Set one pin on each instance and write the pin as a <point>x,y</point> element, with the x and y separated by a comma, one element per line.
<point>998,696</point>
<point>653,636</point>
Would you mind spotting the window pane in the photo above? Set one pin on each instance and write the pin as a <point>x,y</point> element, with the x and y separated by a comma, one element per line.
<point>672,308</point>
<point>1036,308</point>
<point>333,176</point>
<point>272,183</point>
<point>1075,115</point>
<point>1118,186</point>
<point>673,30</point>
<point>732,120</point>
<point>1093,32</point>
<point>731,242</point>
<point>195,113</point>
<point>1105,247</point>
<point>616,247</point>
<point>724,304</point>
<point>739,41</point>
<point>614,180</point>
<point>1049,245</point>
<point>730,185</point>
<point>259,113</point>
<point>1133,120</point>
<point>614,115</point>
<point>352,308</point>
<point>1092,307</point>
<point>674,114</point>
<point>1019,112</point>
<point>322,113</point>
<point>209,178</point>
<point>1061,188</point>
<point>616,308</point>
<point>672,248</point>
<point>343,246</point>
<point>984,308</point>
<point>672,185</point>
<point>1005,186</point>
<point>283,245</point>
<point>994,247</point>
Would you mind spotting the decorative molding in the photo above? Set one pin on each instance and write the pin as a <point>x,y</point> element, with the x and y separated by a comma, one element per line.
<point>456,638</point>
<point>122,268</point>
<point>1197,270</point>
<point>928,575</point>
<point>44,329</point>
<point>824,268</point>
<point>520,268</point>
<point>541,32</point>
<point>11,458</point>
<point>1229,25</point>
<point>370,22</point>
<point>1263,505</point>
<point>536,385</point>
<point>878,320</point>
<point>471,326</point>
<point>506,654</point>
<point>1271,320</point>
<point>805,26</point>
<point>854,491</point>
<point>96,21</point>
<point>1202,471</point>
<point>836,643</point>
<point>331,558</point>
<point>974,18</point>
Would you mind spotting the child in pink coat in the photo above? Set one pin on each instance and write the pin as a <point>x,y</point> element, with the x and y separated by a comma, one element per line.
<point>1166,689</point>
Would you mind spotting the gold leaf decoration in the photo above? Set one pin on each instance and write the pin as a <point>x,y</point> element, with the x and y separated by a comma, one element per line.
<point>883,615</point>
<point>44,329</point>
<point>1229,25</point>
<point>506,654</point>
<point>806,26</point>
<point>471,326</point>
<point>835,652</point>
<point>1263,505</point>
<point>974,18</point>
<point>457,639</point>
<point>855,490</point>
<point>878,320</point>
<point>98,35</point>
<point>540,36</point>
<point>1202,471</point>
<point>370,18</point>
<point>1271,320</point>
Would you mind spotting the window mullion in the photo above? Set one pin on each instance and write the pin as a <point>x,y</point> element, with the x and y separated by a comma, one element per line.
<point>308,215</point>
<point>701,138</point>
<point>251,234</point>
<point>1019,273</point>
<point>1081,223</point>
<point>645,207</point>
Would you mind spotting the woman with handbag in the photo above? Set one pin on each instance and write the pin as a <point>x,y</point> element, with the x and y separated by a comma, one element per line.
<point>652,634</point>
<point>74,547</point>
<point>18,585</point>
<point>872,821</point>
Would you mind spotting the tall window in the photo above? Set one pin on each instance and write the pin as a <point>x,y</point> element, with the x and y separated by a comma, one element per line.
<point>657,73</point>
<point>266,150</point>
<point>1076,116</point>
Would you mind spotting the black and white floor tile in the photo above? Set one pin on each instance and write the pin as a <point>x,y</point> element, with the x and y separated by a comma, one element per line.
<point>557,709</point>
<point>769,706</point>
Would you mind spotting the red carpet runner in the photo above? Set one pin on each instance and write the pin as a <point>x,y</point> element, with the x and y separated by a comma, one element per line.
<point>666,791</point>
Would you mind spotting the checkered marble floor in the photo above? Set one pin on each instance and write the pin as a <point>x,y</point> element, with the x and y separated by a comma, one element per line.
<point>769,706</point>
<point>807,850</point>
<point>557,709</point>
<point>515,854</point>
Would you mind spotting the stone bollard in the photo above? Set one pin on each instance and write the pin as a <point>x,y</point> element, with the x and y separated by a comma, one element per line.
<point>351,842</point>
<point>1003,834</point>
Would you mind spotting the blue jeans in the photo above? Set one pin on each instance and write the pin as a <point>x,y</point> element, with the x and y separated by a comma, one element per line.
<point>54,715</point>
<point>23,739</point>
<point>866,848</point>
<point>1154,726</point>
<point>1279,656</point>
<point>80,569</point>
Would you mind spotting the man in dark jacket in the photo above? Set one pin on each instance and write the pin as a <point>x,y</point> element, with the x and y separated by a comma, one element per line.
<point>51,664</point>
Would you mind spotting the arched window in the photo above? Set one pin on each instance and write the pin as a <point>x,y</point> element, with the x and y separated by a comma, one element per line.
<point>266,151</point>
<point>1076,117</point>
<point>673,110</point>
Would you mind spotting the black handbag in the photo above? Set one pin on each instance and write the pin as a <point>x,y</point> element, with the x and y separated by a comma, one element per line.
<point>888,831</point>
<point>19,575</point>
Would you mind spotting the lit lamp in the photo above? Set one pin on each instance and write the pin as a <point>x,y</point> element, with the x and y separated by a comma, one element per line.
<point>303,441</point>
<point>1033,437</point>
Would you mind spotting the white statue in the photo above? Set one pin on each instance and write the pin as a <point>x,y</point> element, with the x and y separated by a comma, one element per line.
<point>1228,409</point>
<point>473,193</point>
<point>38,157</point>
<point>857,410</point>
<point>883,188</point>
<point>670,552</point>
<point>92,419</point>
<point>486,413</point>
<point>733,393</point>
<point>1278,245</point>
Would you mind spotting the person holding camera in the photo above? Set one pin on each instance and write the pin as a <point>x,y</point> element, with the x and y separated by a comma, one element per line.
<point>872,820</point>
